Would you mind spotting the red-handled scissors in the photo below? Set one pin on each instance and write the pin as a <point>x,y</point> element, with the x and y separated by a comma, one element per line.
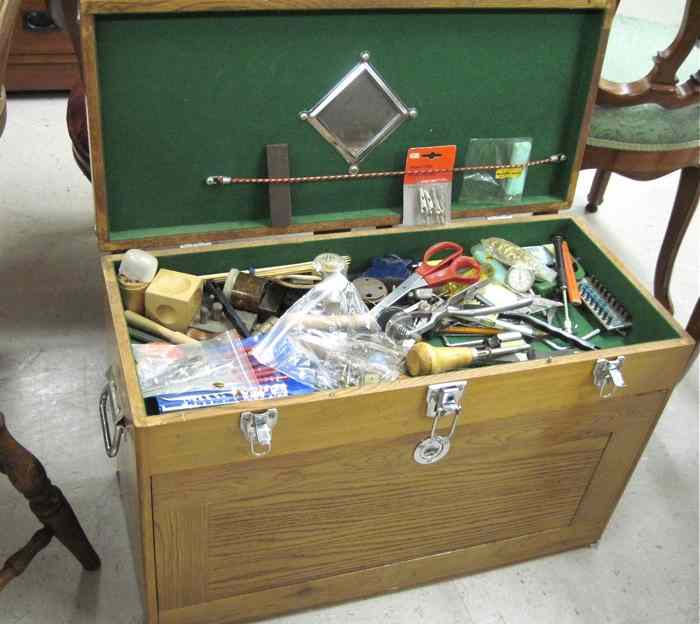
<point>453,268</point>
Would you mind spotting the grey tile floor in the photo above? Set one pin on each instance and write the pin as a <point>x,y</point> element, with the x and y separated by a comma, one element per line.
<point>645,570</point>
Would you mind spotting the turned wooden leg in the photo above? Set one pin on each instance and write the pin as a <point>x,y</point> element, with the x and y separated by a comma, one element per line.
<point>18,562</point>
<point>683,209</point>
<point>693,329</point>
<point>46,501</point>
<point>600,183</point>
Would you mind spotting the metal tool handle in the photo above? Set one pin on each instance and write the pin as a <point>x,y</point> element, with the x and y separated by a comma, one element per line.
<point>466,313</point>
<point>552,329</point>
<point>561,271</point>
<point>109,409</point>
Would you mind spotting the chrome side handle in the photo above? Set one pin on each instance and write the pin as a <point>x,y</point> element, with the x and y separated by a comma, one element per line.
<point>110,410</point>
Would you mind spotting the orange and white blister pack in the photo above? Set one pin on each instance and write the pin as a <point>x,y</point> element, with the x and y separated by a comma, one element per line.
<point>427,185</point>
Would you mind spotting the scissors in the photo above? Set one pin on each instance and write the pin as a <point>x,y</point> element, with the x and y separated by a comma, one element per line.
<point>452,268</point>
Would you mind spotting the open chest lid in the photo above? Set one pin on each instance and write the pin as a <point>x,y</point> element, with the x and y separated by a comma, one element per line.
<point>182,91</point>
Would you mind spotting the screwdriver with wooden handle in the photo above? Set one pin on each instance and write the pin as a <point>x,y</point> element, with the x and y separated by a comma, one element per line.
<point>424,359</point>
<point>563,283</point>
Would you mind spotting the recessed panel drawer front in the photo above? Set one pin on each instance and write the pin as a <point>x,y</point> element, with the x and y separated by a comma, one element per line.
<point>247,527</point>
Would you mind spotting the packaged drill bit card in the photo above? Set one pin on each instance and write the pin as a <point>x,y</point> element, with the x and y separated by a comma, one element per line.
<point>505,183</point>
<point>427,187</point>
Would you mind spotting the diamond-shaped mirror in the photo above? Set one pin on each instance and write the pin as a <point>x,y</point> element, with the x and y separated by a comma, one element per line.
<point>358,113</point>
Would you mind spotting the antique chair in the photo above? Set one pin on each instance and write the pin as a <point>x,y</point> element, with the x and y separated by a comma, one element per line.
<point>25,472</point>
<point>47,503</point>
<point>649,128</point>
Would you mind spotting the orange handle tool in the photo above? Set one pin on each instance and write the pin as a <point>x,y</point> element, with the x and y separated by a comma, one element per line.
<point>458,331</point>
<point>574,292</point>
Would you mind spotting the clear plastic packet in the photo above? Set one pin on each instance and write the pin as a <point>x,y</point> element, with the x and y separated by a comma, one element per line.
<point>427,190</point>
<point>429,205</point>
<point>213,365</point>
<point>329,340</point>
<point>505,184</point>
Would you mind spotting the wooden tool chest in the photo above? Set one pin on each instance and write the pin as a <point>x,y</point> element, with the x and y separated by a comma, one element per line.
<point>339,509</point>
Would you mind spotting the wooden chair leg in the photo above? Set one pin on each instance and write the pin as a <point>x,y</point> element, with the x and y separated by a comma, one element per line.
<point>693,329</point>
<point>46,501</point>
<point>18,562</point>
<point>600,183</point>
<point>683,209</point>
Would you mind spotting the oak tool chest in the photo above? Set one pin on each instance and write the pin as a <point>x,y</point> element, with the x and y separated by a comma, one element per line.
<point>338,506</point>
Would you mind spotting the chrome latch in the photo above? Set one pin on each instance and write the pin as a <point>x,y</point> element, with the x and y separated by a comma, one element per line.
<point>443,400</point>
<point>110,410</point>
<point>608,377</point>
<point>257,429</point>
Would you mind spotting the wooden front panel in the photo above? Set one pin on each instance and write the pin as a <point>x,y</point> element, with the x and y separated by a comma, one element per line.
<point>293,519</point>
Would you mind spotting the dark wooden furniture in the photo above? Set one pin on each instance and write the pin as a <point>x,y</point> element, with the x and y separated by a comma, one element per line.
<point>693,329</point>
<point>8,13</point>
<point>47,503</point>
<point>24,470</point>
<point>643,160</point>
<point>41,56</point>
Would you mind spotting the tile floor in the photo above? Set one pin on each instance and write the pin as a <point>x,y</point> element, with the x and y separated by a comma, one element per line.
<point>645,570</point>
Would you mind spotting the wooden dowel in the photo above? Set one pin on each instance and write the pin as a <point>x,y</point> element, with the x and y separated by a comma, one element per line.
<point>146,324</point>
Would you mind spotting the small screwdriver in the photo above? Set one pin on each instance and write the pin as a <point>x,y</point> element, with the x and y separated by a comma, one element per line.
<point>424,359</point>
<point>561,271</point>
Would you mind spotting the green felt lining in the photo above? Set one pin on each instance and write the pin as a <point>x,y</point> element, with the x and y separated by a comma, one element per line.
<point>185,96</point>
<point>648,324</point>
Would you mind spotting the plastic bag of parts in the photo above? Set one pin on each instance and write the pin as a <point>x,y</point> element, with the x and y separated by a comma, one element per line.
<point>269,384</point>
<point>504,184</point>
<point>212,365</point>
<point>329,340</point>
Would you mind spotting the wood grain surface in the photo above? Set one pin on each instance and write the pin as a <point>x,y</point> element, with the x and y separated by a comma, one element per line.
<point>329,512</point>
<point>166,6</point>
<point>133,466</point>
<point>212,437</point>
<point>382,579</point>
<point>94,115</point>
<point>343,509</point>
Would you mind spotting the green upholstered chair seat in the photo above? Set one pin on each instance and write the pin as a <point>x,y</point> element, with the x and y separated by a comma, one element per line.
<point>646,127</point>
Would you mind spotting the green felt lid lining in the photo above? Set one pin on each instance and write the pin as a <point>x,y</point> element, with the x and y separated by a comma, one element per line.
<point>185,96</point>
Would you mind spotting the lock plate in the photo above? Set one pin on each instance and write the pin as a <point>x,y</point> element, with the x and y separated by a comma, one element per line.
<point>442,400</point>
<point>257,429</point>
<point>431,450</point>
<point>607,376</point>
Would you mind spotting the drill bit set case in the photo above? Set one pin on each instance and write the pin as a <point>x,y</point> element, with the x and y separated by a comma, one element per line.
<point>337,506</point>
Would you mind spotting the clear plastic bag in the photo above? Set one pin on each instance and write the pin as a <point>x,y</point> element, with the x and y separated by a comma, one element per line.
<point>215,365</point>
<point>329,340</point>
<point>505,184</point>
<point>428,203</point>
